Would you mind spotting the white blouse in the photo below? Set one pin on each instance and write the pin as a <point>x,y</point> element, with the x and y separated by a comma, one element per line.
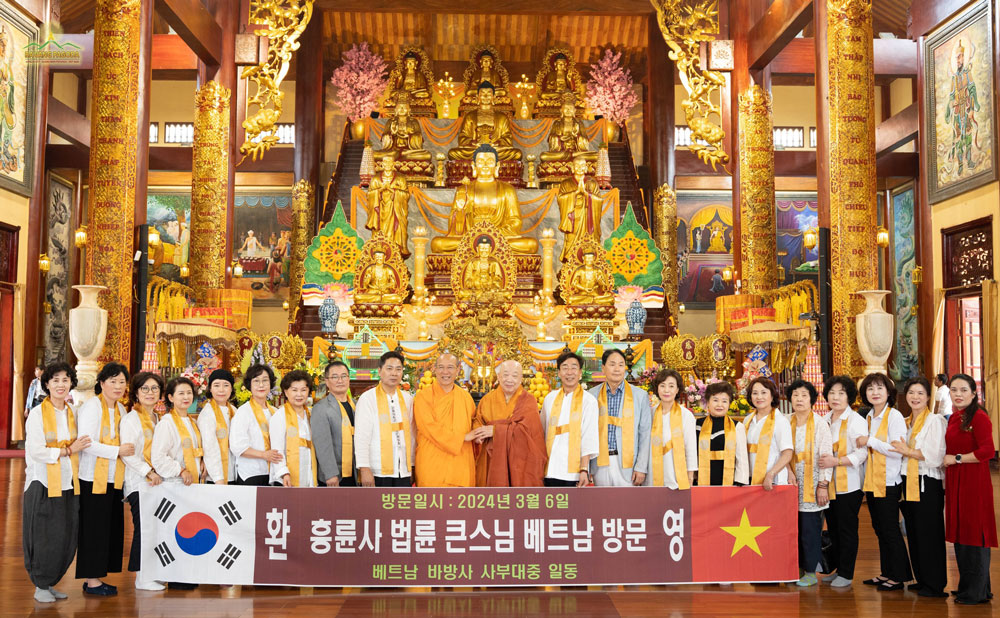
<point>822,445</point>
<point>244,433</point>
<point>689,430</point>
<point>168,454</point>
<point>858,456</point>
<point>89,424</point>
<point>37,456</point>
<point>213,452</point>
<point>781,440</point>
<point>896,431</point>
<point>136,466</point>
<point>279,430</point>
<point>930,442</point>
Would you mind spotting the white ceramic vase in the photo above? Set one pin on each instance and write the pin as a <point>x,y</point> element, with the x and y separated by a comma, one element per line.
<point>88,326</point>
<point>876,331</point>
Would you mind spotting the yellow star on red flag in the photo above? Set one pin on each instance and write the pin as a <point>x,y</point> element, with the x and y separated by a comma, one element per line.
<point>745,535</point>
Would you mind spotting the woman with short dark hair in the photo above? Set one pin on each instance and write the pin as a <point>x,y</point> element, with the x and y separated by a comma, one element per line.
<point>722,442</point>
<point>292,434</point>
<point>249,431</point>
<point>214,422</point>
<point>674,457</point>
<point>769,435</point>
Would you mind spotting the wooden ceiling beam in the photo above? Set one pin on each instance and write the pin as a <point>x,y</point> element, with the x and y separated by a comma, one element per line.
<point>897,130</point>
<point>893,57</point>
<point>522,7</point>
<point>192,21</point>
<point>68,123</point>
<point>781,23</point>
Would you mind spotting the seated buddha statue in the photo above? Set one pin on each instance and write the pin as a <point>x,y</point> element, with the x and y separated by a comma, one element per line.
<point>485,199</point>
<point>559,80</point>
<point>484,273</point>
<point>589,285</point>
<point>403,136</point>
<point>410,80</point>
<point>484,66</point>
<point>378,283</point>
<point>567,138</point>
<point>485,125</point>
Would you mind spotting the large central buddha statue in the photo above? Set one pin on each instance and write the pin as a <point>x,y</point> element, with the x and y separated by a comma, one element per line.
<point>485,125</point>
<point>485,199</point>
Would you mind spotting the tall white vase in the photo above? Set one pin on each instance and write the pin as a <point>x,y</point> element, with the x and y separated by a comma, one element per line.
<point>876,331</point>
<point>88,326</point>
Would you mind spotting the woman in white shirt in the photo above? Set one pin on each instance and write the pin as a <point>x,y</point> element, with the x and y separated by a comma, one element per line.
<point>292,434</point>
<point>214,423</point>
<point>102,476</point>
<point>177,445</point>
<point>769,435</point>
<point>883,482</point>
<point>669,450</point>
<point>923,482</point>
<point>50,509</point>
<point>811,437</point>
<point>145,391</point>
<point>847,468</point>
<point>250,433</point>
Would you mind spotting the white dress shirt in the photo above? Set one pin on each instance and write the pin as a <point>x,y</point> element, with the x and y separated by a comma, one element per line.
<point>690,432</point>
<point>279,430</point>
<point>822,445</point>
<point>930,442</point>
<point>136,466</point>
<point>781,439</point>
<point>244,433</point>
<point>167,453</point>
<point>942,395</point>
<point>897,431</point>
<point>89,424</point>
<point>37,456</point>
<point>368,437</point>
<point>212,452</point>
<point>857,456</point>
<point>559,454</point>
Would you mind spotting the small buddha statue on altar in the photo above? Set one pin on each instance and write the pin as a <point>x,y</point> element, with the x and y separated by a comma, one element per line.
<point>409,80</point>
<point>485,199</point>
<point>379,283</point>
<point>560,80</point>
<point>567,138</point>
<point>403,136</point>
<point>589,285</point>
<point>388,203</point>
<point>485,66</point>
<point>580,206</point>
<point>485,125</point>
<point>483,274</point>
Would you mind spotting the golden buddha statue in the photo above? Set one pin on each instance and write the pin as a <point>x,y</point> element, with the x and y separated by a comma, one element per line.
<point>413,79</point>
<point>483,273</point>
<point>485,125</point>
<point>388,203</point>
<point>717,240</point>
<point>589,285</point>
<point>567,138</point>
<point>485,199</point>
<point>580,206</point>
<point>379,283</point>
<point>560,80</point>
<point>403,136</point>
<point>485,66</point>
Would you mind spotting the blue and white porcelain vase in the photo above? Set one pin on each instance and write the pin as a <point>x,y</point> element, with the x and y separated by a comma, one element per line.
<point>635,317</point>
<point>329,314</point>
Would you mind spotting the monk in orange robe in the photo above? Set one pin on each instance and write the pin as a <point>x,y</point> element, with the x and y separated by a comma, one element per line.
<point>510,441</point>
<point>443,416</point>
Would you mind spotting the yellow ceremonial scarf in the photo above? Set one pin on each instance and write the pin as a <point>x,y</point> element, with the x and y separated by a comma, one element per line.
<point>875,471</point>
<point>258,413</point>
<point>624,421</point>
<point>192,449</point>
<point>762,448</point>
<point>222,435</point>
<point>101,466</point>
<point>806,456</point>
<point>575,418</point>
<point>706,454</point>
<point>913,465</point>
<point>675,446</point>
<point>54,470</point>
<point>346,440</point>
<point>840,450</point>
<point>387,427</point>
<point>293,441</point>
<point>146,420</point>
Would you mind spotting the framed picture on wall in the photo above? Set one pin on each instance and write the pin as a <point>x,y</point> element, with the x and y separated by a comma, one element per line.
<point>705,244</point>
<point>960,101</point>
<point>18,35</point>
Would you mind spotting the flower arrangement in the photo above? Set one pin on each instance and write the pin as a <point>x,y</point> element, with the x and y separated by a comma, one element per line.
<point>740,406</point>
<point>695,393</point>
<point>609,89</point>
<point>360,81</point>
<point>199,375</point>
<point>645,379</point>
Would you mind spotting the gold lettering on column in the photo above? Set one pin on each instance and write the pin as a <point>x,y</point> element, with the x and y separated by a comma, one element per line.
<point>758,251</point>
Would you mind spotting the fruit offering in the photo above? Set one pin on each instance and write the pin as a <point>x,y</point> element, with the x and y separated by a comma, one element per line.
<point>538,386</point>
<point>425,380</point>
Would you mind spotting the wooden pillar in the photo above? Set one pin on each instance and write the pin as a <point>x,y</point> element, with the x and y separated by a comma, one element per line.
<point>661,110</point>
<point>924,231</point>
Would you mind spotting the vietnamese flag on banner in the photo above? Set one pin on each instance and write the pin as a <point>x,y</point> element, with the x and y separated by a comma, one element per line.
<point>744,534</point>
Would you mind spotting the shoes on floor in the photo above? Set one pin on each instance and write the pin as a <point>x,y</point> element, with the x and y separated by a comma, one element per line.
<point>44,596</point>
<point>829,577</point>
<point>809,579</point>
<point>915,587</point>
<point>875,581</point>
<point>841,582</point>
<point>887,587</point>
<point>149,585</point>
<point>104,590</point>
<point>965,601</point>
<point>58,595</point>
<point>931,594</point>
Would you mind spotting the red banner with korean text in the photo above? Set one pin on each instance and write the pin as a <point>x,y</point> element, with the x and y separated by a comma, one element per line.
<point>359,537</point>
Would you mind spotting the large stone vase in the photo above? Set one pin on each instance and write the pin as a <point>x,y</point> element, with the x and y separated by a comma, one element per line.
<point>876,330</point>
<point>88,325</point>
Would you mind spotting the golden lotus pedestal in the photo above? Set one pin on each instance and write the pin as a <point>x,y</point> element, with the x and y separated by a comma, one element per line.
<point>508,171</point>
<point>381,318</point>
<point>439,284</point>
<point>584,319</point>
<point>417,173</point>
<point>553,172</point>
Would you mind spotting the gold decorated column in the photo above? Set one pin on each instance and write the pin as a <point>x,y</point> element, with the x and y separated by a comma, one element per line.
<point>303,198</point>
<point>758,235</point>
<point>114,134</point>
<point>420,241</point>
<point>665,217</point>
<point>209,189</point>
<point>853,219</point>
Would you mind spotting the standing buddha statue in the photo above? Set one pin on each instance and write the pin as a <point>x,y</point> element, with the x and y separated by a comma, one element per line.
<point>388,202</point>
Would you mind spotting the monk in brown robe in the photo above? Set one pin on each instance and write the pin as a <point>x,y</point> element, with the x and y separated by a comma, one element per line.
<point>510,449</point>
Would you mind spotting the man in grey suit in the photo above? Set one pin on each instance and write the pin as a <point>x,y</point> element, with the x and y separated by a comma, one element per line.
<point>332,426</point>
<point>623,459</point>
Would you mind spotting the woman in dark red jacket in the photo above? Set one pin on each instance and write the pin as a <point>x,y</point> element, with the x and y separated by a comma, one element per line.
<point>970,522</point>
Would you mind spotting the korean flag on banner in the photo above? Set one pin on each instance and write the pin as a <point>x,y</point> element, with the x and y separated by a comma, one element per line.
<point>200,534</point>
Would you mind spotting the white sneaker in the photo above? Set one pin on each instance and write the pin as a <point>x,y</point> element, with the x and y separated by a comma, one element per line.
<point>841,582</point>
<point>829,577</point>
<point>44,596</point>
<point>58,595</point>
<point>149,585</point>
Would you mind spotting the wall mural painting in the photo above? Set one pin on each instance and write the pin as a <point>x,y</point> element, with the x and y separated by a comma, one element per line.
<point>960,90</point>
<point>18,38</point>
<point>906,362</point>
<point>262,244</point>
<point>704,243</point>
<point>796,213</point>
<point>60,212</point>
<point>169,211</point>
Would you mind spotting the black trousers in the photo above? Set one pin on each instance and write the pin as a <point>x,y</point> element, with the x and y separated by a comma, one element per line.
<point>892,554</point>
<point>102,532</point>
<point>392,481</point>
<point>973,573</point>
<point>925,535</point>
<point>810,540</point>
<point>348,481</point>
<point>257,481</point>
<point>842,524</point>
<point>558,483</point>
<point>48,534</point>
<point>135,552</point>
